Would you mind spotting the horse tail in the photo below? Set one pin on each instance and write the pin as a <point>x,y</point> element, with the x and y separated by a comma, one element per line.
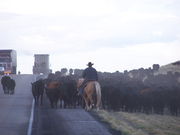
<point>98,93</point>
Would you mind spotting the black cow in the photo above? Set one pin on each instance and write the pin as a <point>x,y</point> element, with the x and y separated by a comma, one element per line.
<point>38,90</point>
<point>11,86</point>
<point>69,91</point>
<point>53,92</point>
<point>8,85</point>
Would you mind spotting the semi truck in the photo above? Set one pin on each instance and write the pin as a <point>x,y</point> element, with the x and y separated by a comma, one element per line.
<point>8,61</point>
<point>41,64</point>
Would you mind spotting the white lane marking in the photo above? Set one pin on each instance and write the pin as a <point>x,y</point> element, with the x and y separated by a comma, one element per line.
<point>29,132</point>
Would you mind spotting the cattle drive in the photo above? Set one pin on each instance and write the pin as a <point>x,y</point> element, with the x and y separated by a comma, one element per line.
<point>64,91</point>
<point>8,85</point>
<point>68,91</point>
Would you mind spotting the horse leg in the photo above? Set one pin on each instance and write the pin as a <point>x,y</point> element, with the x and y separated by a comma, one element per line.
<point>91,102</point>
<point>98,95</point>
<point>90,99</point>
<point>87,103</point>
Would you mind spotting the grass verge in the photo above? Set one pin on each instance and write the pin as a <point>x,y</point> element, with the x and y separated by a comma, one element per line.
<point>139,124</point>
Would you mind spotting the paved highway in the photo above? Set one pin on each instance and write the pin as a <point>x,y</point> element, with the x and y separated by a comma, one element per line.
<point>65,122</point>
<point>15,112</point>
<point>15,109</point>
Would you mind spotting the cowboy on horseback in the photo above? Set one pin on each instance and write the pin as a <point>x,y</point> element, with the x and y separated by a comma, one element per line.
<point>89,88</point>
<point>89,74</point>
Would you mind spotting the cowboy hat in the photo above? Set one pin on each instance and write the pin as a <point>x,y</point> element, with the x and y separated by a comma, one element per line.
<point>90,64</point>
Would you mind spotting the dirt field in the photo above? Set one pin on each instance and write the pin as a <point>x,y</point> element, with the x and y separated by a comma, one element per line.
<point>142,124</point>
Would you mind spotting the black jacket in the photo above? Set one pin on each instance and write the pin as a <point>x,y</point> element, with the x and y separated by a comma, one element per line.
<point>90,74</point>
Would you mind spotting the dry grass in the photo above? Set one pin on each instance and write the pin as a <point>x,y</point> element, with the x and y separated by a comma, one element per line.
<point>142,124</point>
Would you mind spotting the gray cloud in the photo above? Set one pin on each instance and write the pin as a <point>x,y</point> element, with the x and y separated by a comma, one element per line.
<point>113,24</point>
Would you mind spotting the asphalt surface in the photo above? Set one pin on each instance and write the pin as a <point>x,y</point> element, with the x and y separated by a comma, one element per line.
<point>60,121</point>
<point>15,109</point>
<point>15,112</point>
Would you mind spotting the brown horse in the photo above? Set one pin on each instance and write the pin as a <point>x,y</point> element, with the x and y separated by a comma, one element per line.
<point>92,87</point>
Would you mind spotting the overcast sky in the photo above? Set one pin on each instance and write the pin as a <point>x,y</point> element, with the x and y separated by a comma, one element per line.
<point>113,34</point>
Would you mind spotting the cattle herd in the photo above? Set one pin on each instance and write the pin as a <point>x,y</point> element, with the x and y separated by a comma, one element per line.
<point>139,91</point>
<point>158,94</point>
<point>60,90</point>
